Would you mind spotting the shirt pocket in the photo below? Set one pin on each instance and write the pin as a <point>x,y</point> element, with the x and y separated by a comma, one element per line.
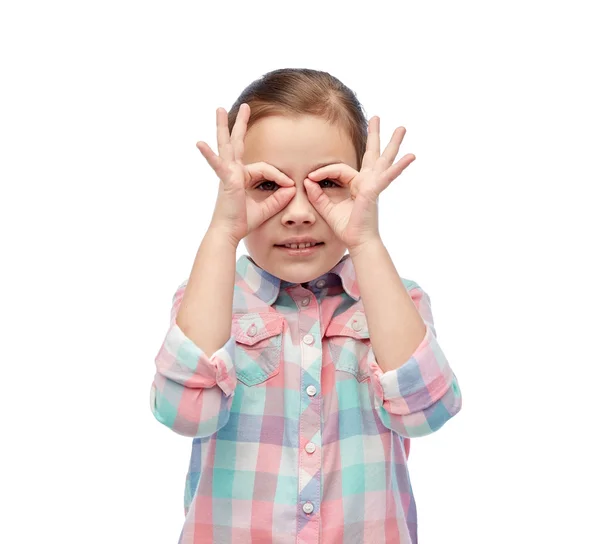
<point>258,346</point>
<point>349,343</point>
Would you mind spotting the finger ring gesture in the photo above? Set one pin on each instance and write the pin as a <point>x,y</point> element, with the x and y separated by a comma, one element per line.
<point>354,219</point>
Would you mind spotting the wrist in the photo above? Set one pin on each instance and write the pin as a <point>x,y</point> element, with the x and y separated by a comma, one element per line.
<point>223,235</point>
<point>365,246</point>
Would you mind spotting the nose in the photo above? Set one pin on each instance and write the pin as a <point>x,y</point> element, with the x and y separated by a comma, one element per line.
<point>299,210</point>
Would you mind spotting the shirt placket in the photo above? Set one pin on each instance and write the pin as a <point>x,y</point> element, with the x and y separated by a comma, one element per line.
<point>309,481</point>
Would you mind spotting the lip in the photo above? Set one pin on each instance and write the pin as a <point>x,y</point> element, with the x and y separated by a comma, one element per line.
<point>299,240</point>
<point>307,251</point>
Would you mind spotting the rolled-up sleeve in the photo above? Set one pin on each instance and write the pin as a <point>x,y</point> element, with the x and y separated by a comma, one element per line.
<point>422,394</point>
<point>192,392</point>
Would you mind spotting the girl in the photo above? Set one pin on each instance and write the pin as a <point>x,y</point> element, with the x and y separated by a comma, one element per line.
<point>301,370</point>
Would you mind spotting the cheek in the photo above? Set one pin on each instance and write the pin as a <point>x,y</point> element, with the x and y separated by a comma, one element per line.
<point>252,240</point>
<point>258,240</point>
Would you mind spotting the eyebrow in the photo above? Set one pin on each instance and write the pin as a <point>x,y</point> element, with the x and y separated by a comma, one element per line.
<point>314,167</point>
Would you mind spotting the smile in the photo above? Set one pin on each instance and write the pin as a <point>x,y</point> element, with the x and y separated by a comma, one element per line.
<point>304,249</point>
<point>301,246</point>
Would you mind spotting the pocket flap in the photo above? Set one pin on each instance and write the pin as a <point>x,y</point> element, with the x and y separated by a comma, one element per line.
<point>248,329</point>
<point>351,323</point>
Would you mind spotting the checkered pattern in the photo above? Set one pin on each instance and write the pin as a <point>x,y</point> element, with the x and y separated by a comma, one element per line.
<point>299,437</point>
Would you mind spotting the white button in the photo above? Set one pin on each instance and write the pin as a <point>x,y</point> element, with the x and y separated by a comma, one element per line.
<point>305,301</point>
<point>311,390</point>
<point>321,284</point>
<point>308,507</point>
<point>308,339</point>
<point>252,330</point>
<point>356,325</point>
<point>310,447</point>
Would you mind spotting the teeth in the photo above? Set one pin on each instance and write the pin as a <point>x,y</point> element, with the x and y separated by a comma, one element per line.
<point>300,246</point>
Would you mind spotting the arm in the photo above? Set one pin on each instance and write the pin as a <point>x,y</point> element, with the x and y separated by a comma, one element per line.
<point>206,309</point>
<point>415,390</point>
<point>192,392</point>
<point>195,377</point>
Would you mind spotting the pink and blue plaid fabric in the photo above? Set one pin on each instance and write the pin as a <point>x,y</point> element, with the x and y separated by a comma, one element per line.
<point>299,437</point>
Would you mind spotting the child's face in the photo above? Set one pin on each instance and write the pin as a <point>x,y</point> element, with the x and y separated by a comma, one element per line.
<point>296,146</point>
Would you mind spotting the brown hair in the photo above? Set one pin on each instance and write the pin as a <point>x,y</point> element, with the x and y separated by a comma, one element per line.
<point>301,91</point>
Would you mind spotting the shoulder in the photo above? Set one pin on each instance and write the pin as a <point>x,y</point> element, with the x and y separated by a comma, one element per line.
<point>180,290</point>
<point>410,284</point>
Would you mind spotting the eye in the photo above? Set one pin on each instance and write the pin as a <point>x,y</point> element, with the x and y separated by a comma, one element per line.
<point>267,186</point>
<point>331,183</point>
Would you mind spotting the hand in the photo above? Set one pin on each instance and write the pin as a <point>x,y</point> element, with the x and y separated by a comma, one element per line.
<point>235,212</point>
<point>354,220</point>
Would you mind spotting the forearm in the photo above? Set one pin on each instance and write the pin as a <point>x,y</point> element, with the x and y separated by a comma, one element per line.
<point>395,325</point>
<point>206,308</point>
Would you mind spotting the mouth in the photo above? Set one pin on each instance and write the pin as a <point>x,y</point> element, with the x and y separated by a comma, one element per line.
<point>301,245</point>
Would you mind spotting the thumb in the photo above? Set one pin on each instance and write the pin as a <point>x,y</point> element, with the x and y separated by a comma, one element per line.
<point>259,212</point>
<point>317,197</point>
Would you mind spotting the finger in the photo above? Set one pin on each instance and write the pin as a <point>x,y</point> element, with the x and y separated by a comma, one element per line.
<point>340,171</point>
<point>259,212</point>
<point>389,154</point>
<point>321,202</point>
<point>239,131</point>
<point>223,139</point>
<point>373,144</point>
<point>393,172</point>
<point>264,170</point>
<point>215,162</point>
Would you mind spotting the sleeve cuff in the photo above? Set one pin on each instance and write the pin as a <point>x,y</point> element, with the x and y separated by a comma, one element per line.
<point>418,383</point>
<point>182,361</point>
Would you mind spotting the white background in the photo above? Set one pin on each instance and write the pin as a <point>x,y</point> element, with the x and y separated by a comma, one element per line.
<point>105,199</point>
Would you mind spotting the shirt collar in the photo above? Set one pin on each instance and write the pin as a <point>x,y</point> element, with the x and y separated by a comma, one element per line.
<point>266,287</point>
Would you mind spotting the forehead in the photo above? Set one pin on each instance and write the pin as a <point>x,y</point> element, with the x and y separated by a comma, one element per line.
<point>293,144</point>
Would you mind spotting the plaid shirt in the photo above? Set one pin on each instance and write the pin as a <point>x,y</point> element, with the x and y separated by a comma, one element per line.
<point>299,437</point>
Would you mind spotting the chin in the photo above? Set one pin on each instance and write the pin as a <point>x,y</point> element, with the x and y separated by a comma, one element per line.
<point>301,271</point>
<point>297,276</point>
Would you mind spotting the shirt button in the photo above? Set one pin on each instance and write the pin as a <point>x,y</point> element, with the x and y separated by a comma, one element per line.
<point>308,339</point>
<point>310,447</point>
<point>252,330</point>
<point>305,301</point>
<point>321,284</point>
<point>308,507</point>
<point>311,390</point>
<point>356,325</point>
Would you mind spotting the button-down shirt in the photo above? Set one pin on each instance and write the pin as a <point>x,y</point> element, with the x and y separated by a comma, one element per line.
<point>299,437</point>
